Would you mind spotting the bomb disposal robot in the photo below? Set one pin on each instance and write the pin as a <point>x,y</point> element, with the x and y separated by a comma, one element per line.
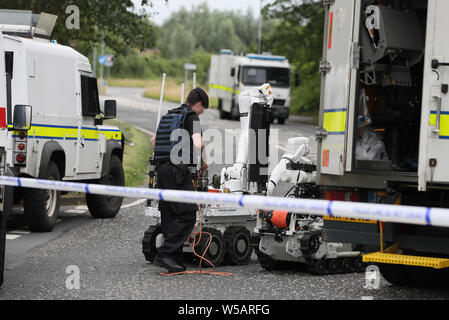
<point>231,228</point>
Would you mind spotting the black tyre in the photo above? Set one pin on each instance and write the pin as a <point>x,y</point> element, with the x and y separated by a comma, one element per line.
<point>314,243</point>
<point>333,266</point>
<point>42,206</point>
<point>106,207</point>
<point>347,265</point>
<point>152,241</point>
<point>216,250</point>
<point>396,274</point>
<point>281,120</point>
<point>238,245</point>
<point>359,265</point>
<point>267,262</point>
<point>223,114</point>
<point>319,267</point>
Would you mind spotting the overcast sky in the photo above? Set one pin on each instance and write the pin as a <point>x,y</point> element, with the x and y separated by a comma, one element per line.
<point>164,10</point>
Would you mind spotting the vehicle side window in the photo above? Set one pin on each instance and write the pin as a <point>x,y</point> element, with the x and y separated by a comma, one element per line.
<point>89,96</point>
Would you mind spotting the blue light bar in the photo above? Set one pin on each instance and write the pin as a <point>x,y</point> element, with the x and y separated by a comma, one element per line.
<point>267,58</point>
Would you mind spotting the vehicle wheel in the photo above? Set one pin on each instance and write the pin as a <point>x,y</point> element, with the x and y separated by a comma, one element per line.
<point>152,241</point>
<point>396,274</point>
<point>266,261</point>
<point>429,278</point>
<point>314,243</point>
<point>2,246</point>
<point>281,120</point>
<point>216,251</point>
<point>41,207</point>
<point>223,114</point>
<point>333,266</point>
<point>238,245</point>
<point>359,265</point>
<point>106,207</point>
<point>319,267</point>
<point>347,266</point>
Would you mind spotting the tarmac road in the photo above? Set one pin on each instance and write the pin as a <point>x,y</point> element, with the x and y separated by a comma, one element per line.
<point>107,253</point>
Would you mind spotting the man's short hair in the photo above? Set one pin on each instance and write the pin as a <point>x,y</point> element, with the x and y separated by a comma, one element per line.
<point>197,95</point>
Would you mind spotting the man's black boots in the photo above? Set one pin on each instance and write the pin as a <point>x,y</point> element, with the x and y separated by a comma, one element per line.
<point>168,263</point>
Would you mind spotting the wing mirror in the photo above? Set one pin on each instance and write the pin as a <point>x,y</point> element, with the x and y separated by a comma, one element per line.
<point>22,117</point>
<point>110,109</point>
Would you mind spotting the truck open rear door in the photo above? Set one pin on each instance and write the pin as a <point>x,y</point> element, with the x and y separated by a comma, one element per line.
<point>434,134</point>
<point>339,81</point>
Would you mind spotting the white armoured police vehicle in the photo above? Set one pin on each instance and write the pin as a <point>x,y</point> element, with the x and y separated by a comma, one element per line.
<point>51,124</point>
<point>230,75</point>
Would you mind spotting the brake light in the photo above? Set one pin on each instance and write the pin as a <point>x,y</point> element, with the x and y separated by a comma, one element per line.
<point>20,158</point>
<point>2,118</point>
<point>20,143</point>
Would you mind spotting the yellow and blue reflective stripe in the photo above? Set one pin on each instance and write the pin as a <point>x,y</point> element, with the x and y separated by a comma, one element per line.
<point>335,121</point>
<point>227,89</point>
<point>58,132</point>
<point>444,123</point>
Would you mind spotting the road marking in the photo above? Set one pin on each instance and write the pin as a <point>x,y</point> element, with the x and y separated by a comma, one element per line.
<point>75,211</point>
<point>20,232</point>
<point>12,236</point>
<point>135,203</point>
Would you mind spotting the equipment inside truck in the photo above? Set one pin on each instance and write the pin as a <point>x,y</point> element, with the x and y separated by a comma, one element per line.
<point>391,66</point>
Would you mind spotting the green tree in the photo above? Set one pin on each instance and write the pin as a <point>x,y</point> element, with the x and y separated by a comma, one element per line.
<point>122,26</point>
<point>298,34</point>
<point>207,31</point>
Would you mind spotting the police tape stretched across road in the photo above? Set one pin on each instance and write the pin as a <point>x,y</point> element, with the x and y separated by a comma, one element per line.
<point>379,212</point>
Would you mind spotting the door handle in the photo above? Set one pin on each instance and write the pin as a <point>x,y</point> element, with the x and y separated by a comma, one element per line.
<point>444,90</point>
<point>436,130</point>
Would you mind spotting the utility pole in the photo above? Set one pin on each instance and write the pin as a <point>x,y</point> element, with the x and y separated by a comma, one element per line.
<point>94,55</point>
<point>101,67</point>
<point>259,33</point>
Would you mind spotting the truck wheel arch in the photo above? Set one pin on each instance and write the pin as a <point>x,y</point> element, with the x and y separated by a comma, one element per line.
<point>52,151</point>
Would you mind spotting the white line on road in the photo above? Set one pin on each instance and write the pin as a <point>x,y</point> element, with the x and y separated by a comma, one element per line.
<point>12,236</point>
<point>20,232</point>
<point>133,204</point>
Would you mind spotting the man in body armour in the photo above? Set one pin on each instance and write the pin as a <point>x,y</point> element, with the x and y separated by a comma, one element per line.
<point>175,160</point>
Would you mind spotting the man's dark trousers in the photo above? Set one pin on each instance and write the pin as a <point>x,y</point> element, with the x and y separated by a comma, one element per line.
<point>178,219</point>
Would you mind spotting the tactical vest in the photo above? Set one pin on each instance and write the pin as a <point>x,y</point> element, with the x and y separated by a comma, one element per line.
<point>173,120</point>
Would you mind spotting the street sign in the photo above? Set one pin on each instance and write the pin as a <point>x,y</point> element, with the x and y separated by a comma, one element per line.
<point>189,67</point>
<point>107,60</point>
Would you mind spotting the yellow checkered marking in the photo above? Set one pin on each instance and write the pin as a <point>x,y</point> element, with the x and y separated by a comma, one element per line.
<point>335,121</point>
<point>444,123</point>
<point>390,258</point>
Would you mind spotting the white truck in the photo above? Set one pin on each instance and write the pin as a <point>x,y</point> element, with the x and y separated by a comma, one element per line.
<point>51,125</point>
<point>230,74</point>
<point>384,128</point>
